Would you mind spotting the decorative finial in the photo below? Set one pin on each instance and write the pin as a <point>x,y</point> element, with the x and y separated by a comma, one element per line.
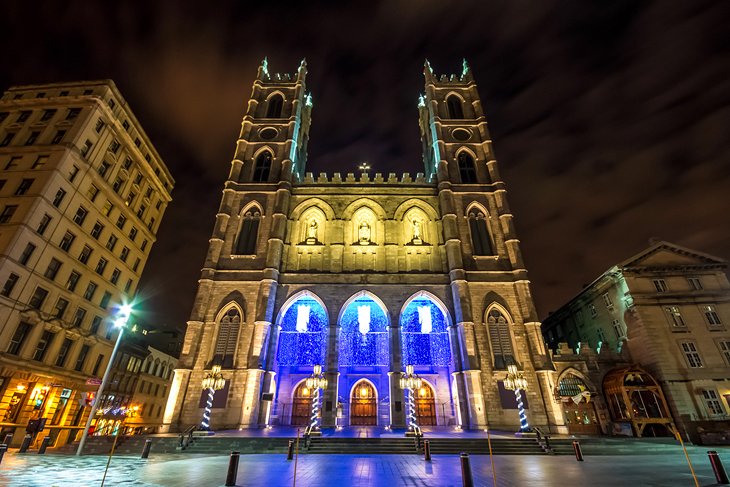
<point>427,65</point>
<point>421,101</point>
<point>265,66</point>
<point>308,99</point>
<point>464,68</point>
<point>303,64</point>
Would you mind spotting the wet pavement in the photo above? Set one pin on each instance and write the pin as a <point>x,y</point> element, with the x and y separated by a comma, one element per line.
<point>185,470</point>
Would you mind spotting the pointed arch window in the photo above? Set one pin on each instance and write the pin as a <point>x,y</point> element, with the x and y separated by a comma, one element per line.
<point>262,168</point>
<point>453,103</point>
<point>249,233</point>
<point>481,242</point>
<point>467,169</point>
<point>225,344</point>
<point>275,105</point>
<point>500,339</point>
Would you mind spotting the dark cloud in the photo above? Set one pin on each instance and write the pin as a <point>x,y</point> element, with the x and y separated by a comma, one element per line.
<point>609,118</point>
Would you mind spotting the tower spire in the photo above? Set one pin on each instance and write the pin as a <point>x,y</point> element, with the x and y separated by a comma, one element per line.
<point>263,72</point>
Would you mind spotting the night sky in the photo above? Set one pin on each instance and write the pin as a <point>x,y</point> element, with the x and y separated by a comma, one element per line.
<point>610,119</point>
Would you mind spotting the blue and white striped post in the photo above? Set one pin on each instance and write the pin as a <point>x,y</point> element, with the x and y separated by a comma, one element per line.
<point>524,425</point>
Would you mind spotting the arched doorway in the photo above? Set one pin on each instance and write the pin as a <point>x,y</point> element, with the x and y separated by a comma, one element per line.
<point>578,409</point>
<point>425,405</point>
<point>363,405</point>
<point>301,405</point>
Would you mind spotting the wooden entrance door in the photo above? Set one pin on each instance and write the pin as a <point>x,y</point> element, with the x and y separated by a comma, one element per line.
<point>581,418</point>
<point>425,406</point>
<point>363,405</point>
<point>301,405</point>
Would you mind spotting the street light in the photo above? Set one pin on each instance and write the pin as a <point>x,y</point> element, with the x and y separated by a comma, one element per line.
<point>515,381</point>
<point>213,381</point>
<point>410,382</point>
<point>120,321</point>
<point>316,382</point>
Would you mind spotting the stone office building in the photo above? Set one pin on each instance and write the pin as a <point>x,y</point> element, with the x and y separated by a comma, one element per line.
<point>82,193</point>
<point>363,275</point>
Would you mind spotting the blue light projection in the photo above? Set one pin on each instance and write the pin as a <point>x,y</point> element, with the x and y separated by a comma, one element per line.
<point>364,334</point>
<point>303,335</point>
<point>424,336</point>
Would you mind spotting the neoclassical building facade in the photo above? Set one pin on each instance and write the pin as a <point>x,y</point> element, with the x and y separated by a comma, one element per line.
<point>363,276</point>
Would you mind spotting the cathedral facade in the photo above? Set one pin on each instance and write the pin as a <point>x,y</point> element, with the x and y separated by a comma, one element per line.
<point>363,276</point>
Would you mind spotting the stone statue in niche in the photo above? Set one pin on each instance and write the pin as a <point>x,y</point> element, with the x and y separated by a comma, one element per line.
<point>417,229</point>
<point>312,232</point>
<point>363,233</point>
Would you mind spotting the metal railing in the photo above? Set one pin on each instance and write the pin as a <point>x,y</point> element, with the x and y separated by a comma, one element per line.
<point>186,437</point>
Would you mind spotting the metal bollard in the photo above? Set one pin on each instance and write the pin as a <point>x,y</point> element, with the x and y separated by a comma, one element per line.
<point>147,448</point>
<point>717,467</point>
<point>466,478</point>
<point>427,450</point>
<point>8,439</point>
<point>290,450</point>
<point>232,469</point>
<point>25,445</point>
<point>44,445</point>
<point>3,449</point>
<point>578,451</point>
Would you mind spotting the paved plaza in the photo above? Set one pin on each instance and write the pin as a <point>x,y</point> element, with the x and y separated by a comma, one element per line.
<point>180,470</point>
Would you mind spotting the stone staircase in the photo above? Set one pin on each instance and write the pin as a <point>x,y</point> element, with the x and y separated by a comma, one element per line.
<point>479,446</point>
<point>595,446</point>
<point>335,445</point>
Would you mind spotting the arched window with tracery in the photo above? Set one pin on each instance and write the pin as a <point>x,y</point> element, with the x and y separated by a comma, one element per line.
<point>275,105</point>
<point>364,333</point>
<point>225,344</point>
<point>481,242</point>
<point>453,104</point>
<point>262,167</point>
<point>303,333</point>
<point>424,333</point>
<point>248,235</point>
<point>467,169</point>
<point>500,338</point>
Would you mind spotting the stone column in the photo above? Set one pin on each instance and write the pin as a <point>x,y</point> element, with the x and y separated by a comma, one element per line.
<point>251,399</point>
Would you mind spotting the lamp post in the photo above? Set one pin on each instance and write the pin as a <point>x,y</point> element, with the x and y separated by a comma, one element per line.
<point>213,381</point>
<point>122,317</point>
<point>410,382</point>
<point>515,381</point>
<point>315,382</point>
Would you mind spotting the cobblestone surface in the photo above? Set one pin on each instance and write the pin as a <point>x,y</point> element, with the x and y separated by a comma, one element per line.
<point>356,471</point>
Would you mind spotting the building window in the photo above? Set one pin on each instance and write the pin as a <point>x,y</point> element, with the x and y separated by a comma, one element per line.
<point>481,242</point>
<point>144,245</point>
<point>675,317</point>
<point>48,114</point>
<point>12,162</point>
<point>262,168</point>
<point>114,146</point>
<point>108,207</point>
<point>59,197</point>
<point>52,270</point>
<point>104,303</point>
<point>125,125</point>
<point>691,355</point>
<point>63,352</point>
<point>85,254</point>
<point>95,325</point>
<point>112,242</point>
<point>467,170</point>
<point>9,285</point>
<point>82,357</point>
<point>40,349</point>
<point>151,224</point>
<point>453,103</point>
<point>101,266</point>
<point>24,186</point>
<point>99,359</point>
<point>116,273</point>
<point>27,253</point>
<point>96,231</point>
<point>724,346</point>
<point>58,137</point>
<point>32,138</point>
<point>618,328</point>
<point>90,291</point>
<point>712,402</point>
<point>130,198</point>
<point>86,148</point>
<point>694,283</point>
<point>248,236</point>
<point>104,168</point>
<point>128,286</point>
<point>140,211</point>
<point>713,319</point>
<point>138,178</point>
<point>225,344</point>
<point>132,233</point>
<point>66,241</point>
<point>500,339</point>
<point>79,317</point>
<point>3,116</point>
<point>38,298</point>
<point>60,308</point>
<point>121,221</point>
<point>73,113</point>
<point>74,172</point>
<point>80,215</point>
<point>39,162</point>
<point>274,107</point>
<point>7,139</point>
<point>7,213</point>
<point>43,225</point>
<point>19,337</point>
<point>136,264</point>
<point>601,335</point>
<point>594,311</point>
<point>99,126</point>
<point>127,163</point>
<point>92,192</point>
<point>124,254</point>
<point>660,285</point>
<point>23,116</point>
<point>73,280</point>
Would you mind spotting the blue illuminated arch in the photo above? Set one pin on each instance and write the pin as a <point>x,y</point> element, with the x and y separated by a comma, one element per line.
<point>424,331</point>
<point>364,332</point>
<point>303,331</point>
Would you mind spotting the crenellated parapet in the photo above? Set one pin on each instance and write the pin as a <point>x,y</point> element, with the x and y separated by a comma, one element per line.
<point>364,178</point>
